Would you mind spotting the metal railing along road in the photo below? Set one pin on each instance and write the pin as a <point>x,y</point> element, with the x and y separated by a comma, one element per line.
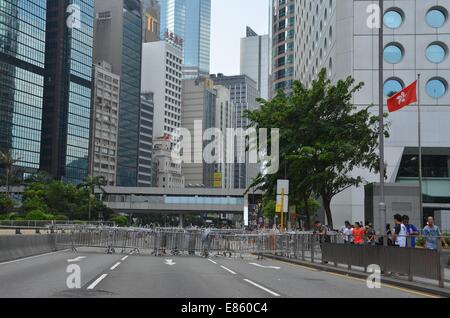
<point>48,224</point>
<point>305,246</point>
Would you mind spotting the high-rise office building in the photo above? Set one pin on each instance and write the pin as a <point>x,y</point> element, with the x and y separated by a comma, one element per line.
<point>166,172</point>
<point>161,74</point>
<point>282,32</point>
<point>255,61</point>
<point>225,113</point>
<point>199,110</point>
<point>145,167</point>
<point>335,36</point>
<point>191,20</point>
<point>67,91</point>
<point>243,92</point>
<point>22,70</point>
<point>151,13</point>
<point>46,77</point>
<point>105,123</point>
<point>118,40</point>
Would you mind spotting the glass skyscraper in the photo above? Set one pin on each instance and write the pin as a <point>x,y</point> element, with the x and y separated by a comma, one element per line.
<point>118,41</point>
<point>191,20</point>
<point>45,85</point>
<point>22,60</point>
<point>67,91</point>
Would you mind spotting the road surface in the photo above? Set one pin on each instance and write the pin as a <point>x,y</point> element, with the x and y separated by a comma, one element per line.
<point>134,275</point>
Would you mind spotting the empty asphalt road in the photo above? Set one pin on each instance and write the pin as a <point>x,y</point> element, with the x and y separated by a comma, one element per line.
<point>136,275</point>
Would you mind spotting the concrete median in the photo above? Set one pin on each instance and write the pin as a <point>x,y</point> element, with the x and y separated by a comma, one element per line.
<point>18,246</point>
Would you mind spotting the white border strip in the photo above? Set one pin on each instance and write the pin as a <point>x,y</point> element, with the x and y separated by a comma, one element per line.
<point>31,257</point>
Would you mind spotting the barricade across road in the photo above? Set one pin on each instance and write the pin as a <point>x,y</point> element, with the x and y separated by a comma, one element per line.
<point>305,246</point>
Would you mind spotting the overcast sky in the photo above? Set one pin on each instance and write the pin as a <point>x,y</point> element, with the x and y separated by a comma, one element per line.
<point>228,22</point>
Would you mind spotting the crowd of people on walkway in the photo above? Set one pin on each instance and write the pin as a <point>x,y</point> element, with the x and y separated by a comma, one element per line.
<point>403,234</point>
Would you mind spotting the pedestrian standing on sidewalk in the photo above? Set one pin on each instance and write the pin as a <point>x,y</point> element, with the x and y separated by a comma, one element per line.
<point>432,235</point>
<point>400,232</point>
<point>346,232</point>
<point>371,234</point>
<point>411,231</point>
<point>358,234</point>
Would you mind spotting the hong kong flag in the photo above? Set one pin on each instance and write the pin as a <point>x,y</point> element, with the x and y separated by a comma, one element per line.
<point>403,98</point>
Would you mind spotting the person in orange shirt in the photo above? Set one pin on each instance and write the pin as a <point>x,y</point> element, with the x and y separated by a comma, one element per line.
<point>358,234</point>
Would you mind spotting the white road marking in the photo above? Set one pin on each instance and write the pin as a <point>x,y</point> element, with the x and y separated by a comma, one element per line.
<point>31,257</point>
<point>77,259</point>
<point>262,266</point>
<point>227,269</point>
<point>115,266</point>
<point>124,258</point>
<point>169,262</point>
<point>212,261</point>
<point>262,287</point>
<point>97,281</point>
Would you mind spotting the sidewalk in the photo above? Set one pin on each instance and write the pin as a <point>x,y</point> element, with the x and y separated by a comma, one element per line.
<point>419,284</point>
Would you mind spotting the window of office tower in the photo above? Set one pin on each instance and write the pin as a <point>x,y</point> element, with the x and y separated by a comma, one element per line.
<point>22,80</point>
<point>393,18</point>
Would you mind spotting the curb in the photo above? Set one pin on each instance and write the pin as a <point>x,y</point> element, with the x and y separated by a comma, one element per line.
<point>443,292</point>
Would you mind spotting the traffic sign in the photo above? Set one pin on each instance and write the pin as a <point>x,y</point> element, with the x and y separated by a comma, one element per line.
<point>285,203</point>
<point>283,185</point>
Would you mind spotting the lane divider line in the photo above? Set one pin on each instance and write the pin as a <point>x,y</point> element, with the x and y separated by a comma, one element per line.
<point>262,287</point>
<point>115,266</point>
<point>227,269</point>
<point>97,281</point>
<point>212,261</point>
<point>124,258</point>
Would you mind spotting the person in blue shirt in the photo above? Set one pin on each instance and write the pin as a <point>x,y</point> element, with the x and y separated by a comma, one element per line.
<point>432,234</point>
<point>411,230</point>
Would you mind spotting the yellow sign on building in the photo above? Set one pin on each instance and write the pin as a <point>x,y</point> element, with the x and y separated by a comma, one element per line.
<point>217,180</point>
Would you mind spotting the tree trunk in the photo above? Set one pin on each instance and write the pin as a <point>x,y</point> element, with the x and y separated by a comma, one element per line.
<point>308,216</point>
<point>7,182</point>
<point>327,207</point>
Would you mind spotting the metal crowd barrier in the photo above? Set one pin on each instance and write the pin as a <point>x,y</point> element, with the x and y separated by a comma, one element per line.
<point>175,240</point>
<point>306,246</point>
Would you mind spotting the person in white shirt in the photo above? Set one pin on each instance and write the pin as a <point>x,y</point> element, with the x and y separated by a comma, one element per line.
<point>346,232</point>
<point>400,232</point>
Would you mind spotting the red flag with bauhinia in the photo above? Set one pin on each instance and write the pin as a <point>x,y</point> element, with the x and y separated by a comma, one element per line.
<point>405,97</point>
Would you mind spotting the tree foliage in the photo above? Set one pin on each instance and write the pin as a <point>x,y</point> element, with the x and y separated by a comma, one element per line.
<point>323,139</point>
<point>120,220</point>
<point>10,175</point>
<point>6,204</point>
<point>64,200</point>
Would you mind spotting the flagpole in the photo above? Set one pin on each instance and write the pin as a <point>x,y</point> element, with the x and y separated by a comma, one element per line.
<point>382,204</point>
<point>419,122</point>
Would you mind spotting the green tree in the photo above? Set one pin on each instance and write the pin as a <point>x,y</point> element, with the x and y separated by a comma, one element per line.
<point>268,208</point>
<point>38,215</point>
<point>120,220</point>
<point>6,204</point>
<point>91,184</point>
<point>11,172</point>
<point>323,139</point>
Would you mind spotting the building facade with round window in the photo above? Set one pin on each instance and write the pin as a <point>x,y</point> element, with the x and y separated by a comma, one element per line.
<point>341,36</point>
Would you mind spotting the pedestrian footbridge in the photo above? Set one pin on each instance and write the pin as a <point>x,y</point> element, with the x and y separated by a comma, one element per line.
<point>176,201</point>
